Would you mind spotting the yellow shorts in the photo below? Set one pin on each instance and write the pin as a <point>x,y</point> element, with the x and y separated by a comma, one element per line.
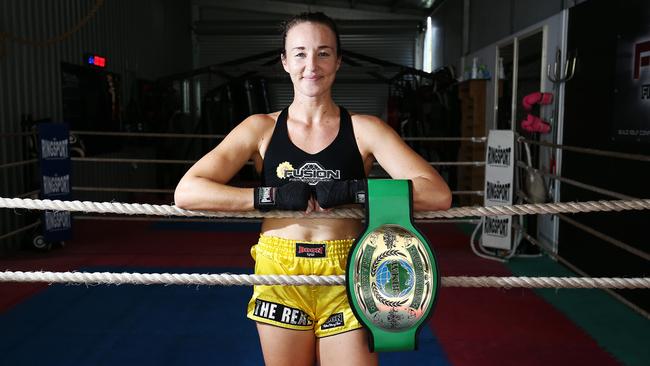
<point>323,309</point>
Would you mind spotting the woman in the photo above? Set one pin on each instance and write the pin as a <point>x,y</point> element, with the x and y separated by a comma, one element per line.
<point>312,155</point>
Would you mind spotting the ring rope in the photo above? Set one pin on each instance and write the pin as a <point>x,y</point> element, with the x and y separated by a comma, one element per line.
<point>470,139</point>
<point>113,189</point>
<point>585,150</point>
<point>135,161</point>
<point>477,163</point>
<point>29,194</point>
<point>154,190</point>
<point>20,230</point>
<point>187,135</point>
<point>229,220</point>
<point>575,183</point>
<point>166,210</point>
<point>146,134</point>
<point>190,162</point>
<point>228,279</point>
<point>621,245</point>
<point>546,247</point>
<point>16,134</point>
<point>457,163</point>
<point>18,163</point>
<point>164,219</point>
<point>473,193</point>
<point>144,190</point>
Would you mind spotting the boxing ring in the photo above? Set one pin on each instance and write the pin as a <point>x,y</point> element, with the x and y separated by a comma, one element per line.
<point>624,202</point>
<point>471,215</point>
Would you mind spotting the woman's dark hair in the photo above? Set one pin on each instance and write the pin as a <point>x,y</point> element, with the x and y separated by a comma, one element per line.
<point>317,17</point>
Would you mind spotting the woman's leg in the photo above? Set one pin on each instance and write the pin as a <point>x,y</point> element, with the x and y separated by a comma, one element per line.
<point>287,346</point>
<point>349,348</point>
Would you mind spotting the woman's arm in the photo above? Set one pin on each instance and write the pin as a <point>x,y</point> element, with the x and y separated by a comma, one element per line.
<point>374,137</point>
<point>204,187</point>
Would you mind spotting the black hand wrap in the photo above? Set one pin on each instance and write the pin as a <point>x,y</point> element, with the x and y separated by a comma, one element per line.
<point>336,193</point>
<point>291,196</point>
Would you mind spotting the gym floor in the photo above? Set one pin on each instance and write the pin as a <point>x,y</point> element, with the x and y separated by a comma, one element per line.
<point>187,325</point>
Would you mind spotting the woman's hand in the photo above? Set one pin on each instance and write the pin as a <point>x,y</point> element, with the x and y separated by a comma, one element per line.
<point>313,206</point>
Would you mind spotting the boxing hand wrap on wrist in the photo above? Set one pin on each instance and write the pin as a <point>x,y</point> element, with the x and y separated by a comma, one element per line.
<point>337,193</point>
<point>291,196</point>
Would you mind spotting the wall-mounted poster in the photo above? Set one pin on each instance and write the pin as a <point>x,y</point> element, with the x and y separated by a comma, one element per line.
<point>631,119</point>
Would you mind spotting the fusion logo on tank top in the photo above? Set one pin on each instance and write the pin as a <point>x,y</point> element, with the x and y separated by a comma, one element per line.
<point>310,173</point>
<point>284,162</point>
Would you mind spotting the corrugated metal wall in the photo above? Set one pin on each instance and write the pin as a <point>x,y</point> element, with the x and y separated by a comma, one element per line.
<point>144,39</point>
<point>368,96</point>
<point>493,20</point>
<point>359,98</point>
<point>448,21</point>
<point>489,22</point>
<point>397,48</point>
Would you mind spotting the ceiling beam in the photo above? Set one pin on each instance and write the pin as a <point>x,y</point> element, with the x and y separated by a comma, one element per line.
<point>288,7</point>
<point>263,27</point>
<point>394,3</point>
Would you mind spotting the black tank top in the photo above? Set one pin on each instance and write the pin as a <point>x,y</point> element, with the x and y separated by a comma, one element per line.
<point>285,162</point>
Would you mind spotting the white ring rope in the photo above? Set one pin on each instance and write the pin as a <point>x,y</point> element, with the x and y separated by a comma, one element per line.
<point>183,135</point>
<point>547,248</point>
<point>146,134</point>
<point>228,220</point>
<point>457,163</point>
<point>135,161</point>
<point>18,163</point>
<point>29,194</point>
<point>190,162</point>
<point>575,183</point>
<point>628,248</point>
<point>112,189</point>
<point>15,134</point>
<point>166,210</point>
<point>613,154</point>
<point>448,163</point>
<point>596,233</point>
<point>435,139</point>
<point>475,193</point>
<point>228,279</point>
<point>20,230</point>
<point>153,190</point>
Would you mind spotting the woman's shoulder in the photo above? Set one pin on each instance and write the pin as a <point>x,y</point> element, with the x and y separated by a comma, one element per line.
<point>261,121</point>
<point>263,118</point>
<point>369,130</point>
<point>367,122</point>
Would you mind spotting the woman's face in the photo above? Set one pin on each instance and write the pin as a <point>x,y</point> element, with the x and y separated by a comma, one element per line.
<point>311,58</point>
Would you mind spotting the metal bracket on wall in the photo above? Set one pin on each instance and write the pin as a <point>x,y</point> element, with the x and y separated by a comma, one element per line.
<point>558,77</point>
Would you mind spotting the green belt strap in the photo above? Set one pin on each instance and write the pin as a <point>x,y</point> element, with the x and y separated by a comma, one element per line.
<point>392,277</point>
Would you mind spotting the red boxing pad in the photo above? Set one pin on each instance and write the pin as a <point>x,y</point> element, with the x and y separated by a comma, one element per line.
<point>536,98</point>
<point>533,123</point>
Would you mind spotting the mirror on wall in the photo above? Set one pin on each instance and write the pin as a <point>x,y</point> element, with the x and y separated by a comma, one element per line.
<point>529,72</point>
<point>504,72</point>
<point>520,59</point>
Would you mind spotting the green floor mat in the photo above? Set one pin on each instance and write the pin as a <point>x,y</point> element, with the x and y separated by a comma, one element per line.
<point>614,326</point>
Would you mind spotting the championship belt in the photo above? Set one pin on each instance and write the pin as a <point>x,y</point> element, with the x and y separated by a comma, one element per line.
<point>392,277</point>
